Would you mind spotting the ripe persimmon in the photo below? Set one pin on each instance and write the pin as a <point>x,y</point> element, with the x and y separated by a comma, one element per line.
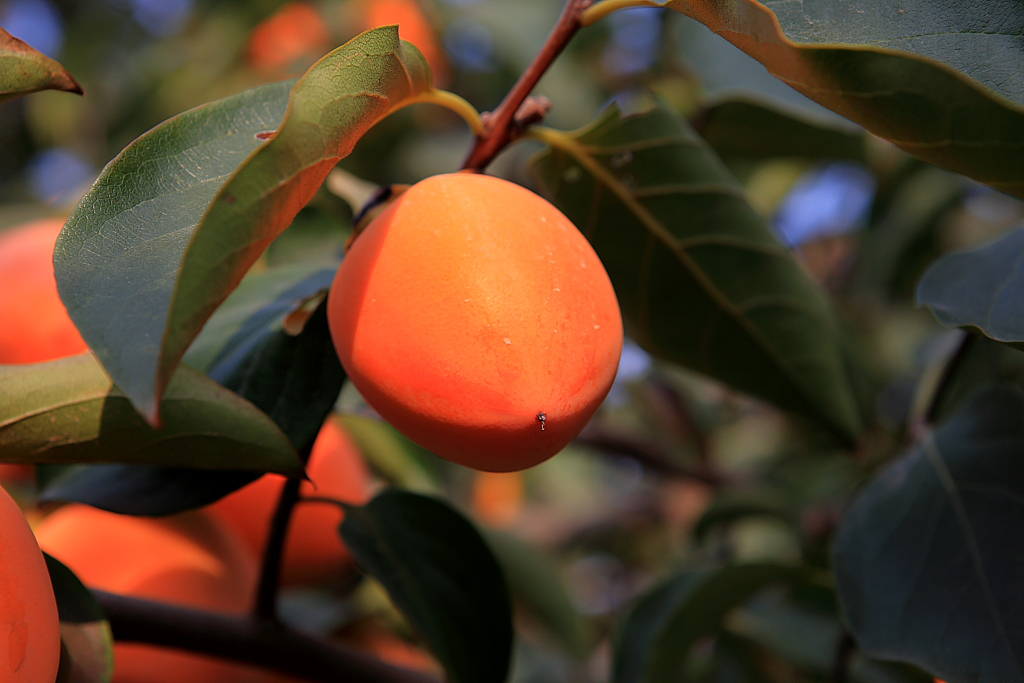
<point>191,559</point>
<point>29,625</point>
<point>294,35</point>
<point>476,319</point>
<point>313,550</point>
<point>36,326</point>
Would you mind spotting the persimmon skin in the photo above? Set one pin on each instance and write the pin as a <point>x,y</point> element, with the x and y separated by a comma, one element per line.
<point>313,550</point>
<point>29,624</point>
<point>36,327</point>
<point>190,559</point>
<point>478,321</point>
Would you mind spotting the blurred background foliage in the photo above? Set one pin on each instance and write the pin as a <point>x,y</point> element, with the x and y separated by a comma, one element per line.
<point>676,471</point>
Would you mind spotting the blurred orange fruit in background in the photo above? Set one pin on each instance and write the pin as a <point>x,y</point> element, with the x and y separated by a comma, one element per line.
<point>313,550</point>
<point>35,325</point>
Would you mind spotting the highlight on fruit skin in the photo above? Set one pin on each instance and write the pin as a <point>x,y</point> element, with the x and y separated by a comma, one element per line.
<point>190,559</point>
<point>478,321</point>
<point>313,550</point>
<point>36,327</point>
<point>29,624</point>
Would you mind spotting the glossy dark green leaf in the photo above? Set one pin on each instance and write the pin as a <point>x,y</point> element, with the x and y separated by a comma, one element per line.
<point>809,638</point>
<point>87,654</point>
<point>654,640</point>
<point>700,278</point>
<point>929,556</point>
<point>981,290</point>
<point>441,575</point>
<point>176,220</point>
<point>740,128</point>
<point>941,81</point>
<point>536,584</point>
<point>24,70</point>
<point>295,380</point>
<point>67,411</point>
<point>256,308</point>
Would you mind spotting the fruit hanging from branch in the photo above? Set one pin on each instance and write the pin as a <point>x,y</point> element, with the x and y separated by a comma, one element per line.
<point>476,319</point>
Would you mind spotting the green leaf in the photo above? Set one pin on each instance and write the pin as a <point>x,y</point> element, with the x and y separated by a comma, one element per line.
<point>23,70</point>
<point>441,575</point>
<point>700,278</point>
<point>809,638</point>
<point>980,290</point>
<point>87,654</point>
<point>654,640</point>
<point>941,82</point>
<point>929,556</point>
<point>67,411</point>
<point>535,582</point>
<point>295,380</point>
<point>176,220</point>
<point>739,128</point>
<point>256,308</point>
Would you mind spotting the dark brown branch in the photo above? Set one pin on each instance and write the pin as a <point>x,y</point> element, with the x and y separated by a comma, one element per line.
<point>265,604</point>
<point>263,644</point>
<point>500,126</point>
<point>646,453</point>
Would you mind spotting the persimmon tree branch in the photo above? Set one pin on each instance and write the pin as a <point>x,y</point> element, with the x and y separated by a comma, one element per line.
<point>260,643</point>
<point>499,128</point>
<point>265,604</point>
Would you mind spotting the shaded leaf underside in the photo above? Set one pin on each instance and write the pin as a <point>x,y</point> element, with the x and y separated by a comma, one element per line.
<point>929,557</point>
<point>920,100</point>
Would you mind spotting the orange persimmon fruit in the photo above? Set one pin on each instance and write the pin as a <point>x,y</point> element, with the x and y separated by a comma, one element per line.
<point>478,321</point>
<point>294,35</point>
<point>191,559</point>
<point>36,326</point>
<point>313,550</point>
<point>29,625</point>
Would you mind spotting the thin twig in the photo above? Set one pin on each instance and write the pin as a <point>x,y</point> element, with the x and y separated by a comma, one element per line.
<point>265,604</point>
<point>646,453</point>
<point>841,659</point>
<point>499,128</point>
<point>240,639</point>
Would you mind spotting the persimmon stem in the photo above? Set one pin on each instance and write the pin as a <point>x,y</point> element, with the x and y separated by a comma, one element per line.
<point>599,10</point>
<point>453,102</point>
<point>499,129</point>
<point>263,644</point>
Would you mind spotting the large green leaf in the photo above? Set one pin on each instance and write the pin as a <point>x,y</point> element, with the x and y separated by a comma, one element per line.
<point>981,290</point>
<point>67,411</point>
<point>87,654</point>
<point>441,575</point>
<point>294,379</point>
<point>941,80</point>
<point>24,70</point>
<point>699,276</point>
<point>176,220</point>
<point>655,639</point>
<point>929,557</point>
